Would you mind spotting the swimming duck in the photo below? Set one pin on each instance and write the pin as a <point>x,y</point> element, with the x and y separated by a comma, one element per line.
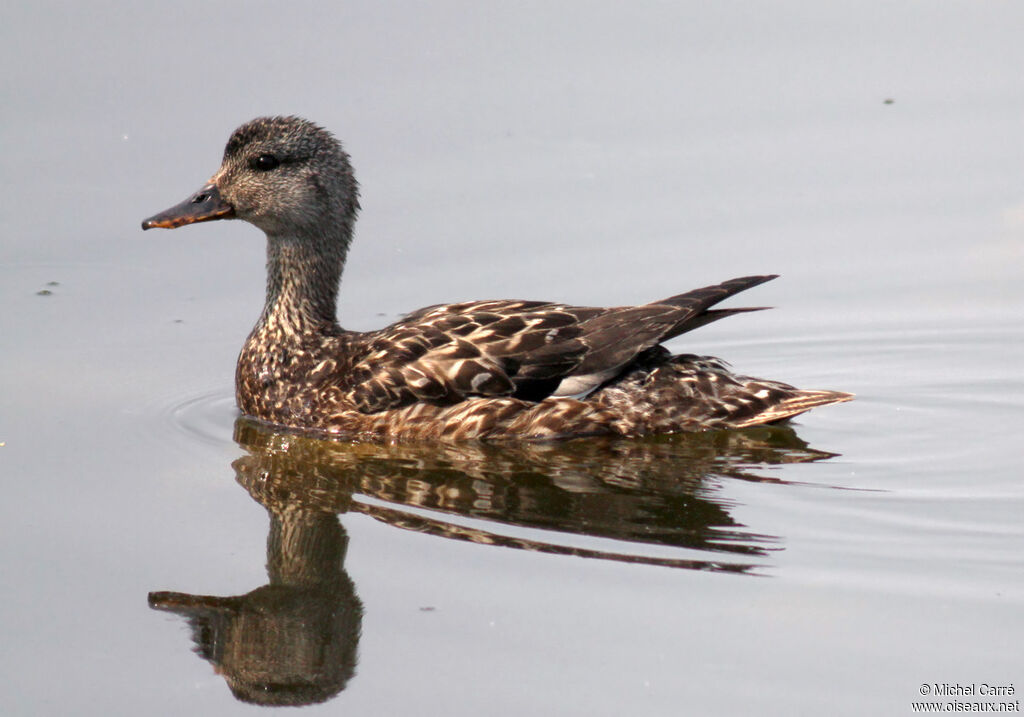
<point>478,369</point>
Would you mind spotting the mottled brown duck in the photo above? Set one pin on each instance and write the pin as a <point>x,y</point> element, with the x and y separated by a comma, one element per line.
<point>479,369</point>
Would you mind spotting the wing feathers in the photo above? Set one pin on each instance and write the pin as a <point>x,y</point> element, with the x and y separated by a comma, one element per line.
<point>447,353</point>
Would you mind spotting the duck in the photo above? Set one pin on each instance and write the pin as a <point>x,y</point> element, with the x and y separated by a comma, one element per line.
<point>488,370</point>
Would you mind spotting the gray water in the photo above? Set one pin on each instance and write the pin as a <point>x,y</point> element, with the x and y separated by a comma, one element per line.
<point>157,556</point>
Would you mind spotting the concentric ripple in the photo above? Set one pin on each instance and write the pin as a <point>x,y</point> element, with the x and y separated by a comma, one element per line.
<point>206,417</point>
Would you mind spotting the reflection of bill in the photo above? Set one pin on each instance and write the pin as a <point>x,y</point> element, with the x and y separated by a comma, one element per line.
<point>294,640</point>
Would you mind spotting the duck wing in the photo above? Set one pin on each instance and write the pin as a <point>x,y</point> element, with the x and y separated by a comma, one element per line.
<point>524,349</point>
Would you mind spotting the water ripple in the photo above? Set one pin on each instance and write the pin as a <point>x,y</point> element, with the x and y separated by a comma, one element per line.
<point>207,417</point>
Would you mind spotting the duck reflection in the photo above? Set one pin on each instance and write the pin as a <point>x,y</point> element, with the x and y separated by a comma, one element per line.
<point>294,640</point>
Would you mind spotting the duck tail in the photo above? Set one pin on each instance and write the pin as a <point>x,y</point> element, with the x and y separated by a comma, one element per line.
<point>661,393</point>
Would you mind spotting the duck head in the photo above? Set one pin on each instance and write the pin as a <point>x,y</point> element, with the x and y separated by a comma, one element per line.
<point>285,175</point>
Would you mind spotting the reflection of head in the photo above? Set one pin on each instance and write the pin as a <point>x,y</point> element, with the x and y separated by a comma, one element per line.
<point>291,642</point>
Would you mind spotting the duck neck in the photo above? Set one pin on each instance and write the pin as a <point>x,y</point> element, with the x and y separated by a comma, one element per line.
<point>303,273</point>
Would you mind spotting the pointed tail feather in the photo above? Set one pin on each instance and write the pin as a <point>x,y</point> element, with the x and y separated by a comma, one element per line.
<point>700,301</point>
<point>708,296</point>
<point>794,405</point>
<point>707,317</point>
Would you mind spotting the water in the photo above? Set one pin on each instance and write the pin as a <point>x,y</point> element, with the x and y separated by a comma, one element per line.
<point>160,553</point>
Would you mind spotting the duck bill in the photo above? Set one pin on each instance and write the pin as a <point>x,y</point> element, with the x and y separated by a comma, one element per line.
<point>203,206</point>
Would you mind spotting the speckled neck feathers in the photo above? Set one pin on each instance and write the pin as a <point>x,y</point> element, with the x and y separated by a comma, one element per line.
<point>302,282</point>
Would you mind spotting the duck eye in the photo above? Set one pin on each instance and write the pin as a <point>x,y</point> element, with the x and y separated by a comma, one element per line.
<point>265,162</point>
